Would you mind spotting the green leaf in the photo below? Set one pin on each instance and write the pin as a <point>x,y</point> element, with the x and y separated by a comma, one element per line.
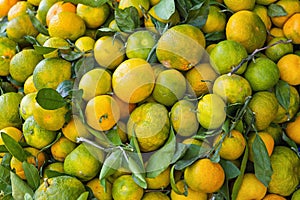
<point>275,10</point>
<point>82,66</point>
<point>215,36</point>
<point>105,32</point>
<point>180,151</point>
<point>14,148</point>
<point>36,23</point>
<point>32,175</point>
<point>223,192</point>
<point>5,184</point>
<point>19,187</point>
<point>112,162</point>
<point>238,181</point>
<point>162,158</point>
<point>262,164</point>
<point>70,55</point>
<point>128,19</point>
<point>7,197</point>
<point>94,3</point>
<point>32,40</point>
<point>231,170</point>
<point>193,153</point>
<point>165,9</point>
<point>173,182</point>
<point>114,137</point>
<point>51,173</point>
<point>3,149</point>
<point>65,87</point>
<point>290,142</point>
<point>43,50</point>
<point>137,168</point>
<point>83,196</point>
<point>50,99</point>
<point>283,93</point>
<point>28,197</point>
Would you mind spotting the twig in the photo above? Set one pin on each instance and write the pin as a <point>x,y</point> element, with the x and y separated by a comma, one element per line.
<point>251,56</point>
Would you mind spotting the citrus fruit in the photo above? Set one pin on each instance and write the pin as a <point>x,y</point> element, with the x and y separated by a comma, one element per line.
<point>216,20</point>
<point>226,55</point>
<point>211,111</point>
<point>181,47</point>
<point>170,86</point>
<point>139,44</point>
<point>59,7</point>
<point>66,25</point>
<point>251,188</point>
<point>266,138</point>
<point>262,74</point>
<point>50,72</point>
<point>265,2</point>
<point>9,106</point>
<point>285,178</point>
<point>247,28</point>
<point>13,132</point>
<point>74,129</point>
<point>284,115</point>
<point>51,120</point>
<point>277,51</point>
<point>81,163</point>
<point>7,51</point>
<point>27,105</point>
<point>289,68</point>
<point>85,43</point>
<point>273,197</point>
<point>102,112</point>
<point>61,148</point>
<point>19,27</point>
<point>109,52</point>
<point>35,135</point>
<point>191,194</point>
<point>239,5</point>
<point>264,106</point>
<point>55,166</point>
<point>5,5</point>
<point>205,176</point>
<point>155,196</point>
<point>232,147</point>
<point>20,69</point>
<point>291,28</point>
<point>99,191</point>
<point>232,89</point>
<point>60,187</point>
<point>150,124</point>
<point>184,118</point>
<point>292,130</point>
<point>276,32</point>
<point>95,82</point>
<point>133,80</point>
<point>290,7</point>
<point>276,131</point>
<point>262,12</point>
<point>296,195</point>
<point>125,188</point>
<point>35,158</point>
<point>18,9</point>
<point>34,2</point>
<point>43,8</point>
<point>200,79</point>
<point>162,180</point>
<point>29,85</point>
<point>55,42</point>
<point>93,16</point>
<point>145,4</point>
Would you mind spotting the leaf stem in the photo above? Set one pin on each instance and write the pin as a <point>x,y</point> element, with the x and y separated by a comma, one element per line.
<point>252,55</point>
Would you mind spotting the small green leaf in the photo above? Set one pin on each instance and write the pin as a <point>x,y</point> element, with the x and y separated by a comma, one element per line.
<point>5,184</point>
<point>127,19</point>
<point>165,9</point>
<point>290,142</point>
<point>32,175</point>
<point>70,55</point>
<point>223,192</point>
<point>105,32</point>
<point>262,164</point>
<point>65,87</point>
<point>114,137</point>
<point>36,23</point>
<point>275,10</point>
<point>162,158</point>
<point>82,66</point>
<point>112,162</point>
<point>83,196</point>
<point>231,170</point>
<point>180,151</point>
<point>32,40</point>
<point>173,182</point>
<point>43,50</point>
<point>7,197</point>
<point>28,197</point>
<point>19,187</point>
<point>238,182</point>
<point>137,168</point>
<point>50,99</point>
<point>51,173</point>
<point>215,36</point>
<point>283,93</point>
<point>14,148</point>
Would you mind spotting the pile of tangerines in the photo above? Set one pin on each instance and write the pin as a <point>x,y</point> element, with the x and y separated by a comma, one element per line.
<point>150,99</point>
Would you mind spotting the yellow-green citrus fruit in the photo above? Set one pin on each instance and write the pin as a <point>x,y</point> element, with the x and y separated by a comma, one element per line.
<point>277,51</point>
<point>7,51</point>
<point>124,188</point>
<point>27,105</point>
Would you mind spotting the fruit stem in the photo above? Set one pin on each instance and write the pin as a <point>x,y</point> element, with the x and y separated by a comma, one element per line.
<point>252,55</point>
